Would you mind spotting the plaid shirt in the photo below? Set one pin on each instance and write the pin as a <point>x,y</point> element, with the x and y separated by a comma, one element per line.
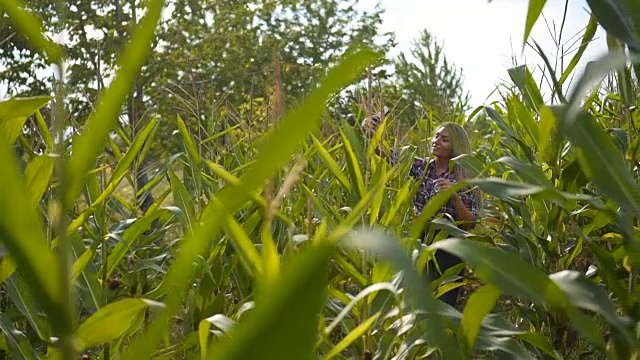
<point>427,189</point>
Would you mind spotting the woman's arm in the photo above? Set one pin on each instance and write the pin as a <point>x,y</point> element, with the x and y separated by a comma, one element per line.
<point>465,208</point>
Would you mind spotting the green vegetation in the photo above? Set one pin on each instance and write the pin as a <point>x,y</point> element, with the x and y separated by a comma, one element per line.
<point>285,236</point>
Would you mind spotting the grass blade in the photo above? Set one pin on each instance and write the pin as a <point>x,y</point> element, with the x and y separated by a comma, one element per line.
<point>19,345</point>
<point>183,200</point>
<point>22,234</point>
<point>192,150</point>
<point>331,164</point>
<point>354,335</point>
<point>244,246</point>
<point>478,306</point>
<point>600,159</point>
<point>354,165</point>
<point>587,37</point>
<point>533,13</point>
<point>23,300</point>
<point>37,174</point>
<point>290,312</point>
<point>14,112</point>
<point>109,323</point>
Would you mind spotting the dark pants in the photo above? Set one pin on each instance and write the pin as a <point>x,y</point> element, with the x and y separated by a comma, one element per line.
<point>445,261</point>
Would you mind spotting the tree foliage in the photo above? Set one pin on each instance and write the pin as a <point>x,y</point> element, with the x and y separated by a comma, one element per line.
<point>429,81</point>
<point>207,54</point>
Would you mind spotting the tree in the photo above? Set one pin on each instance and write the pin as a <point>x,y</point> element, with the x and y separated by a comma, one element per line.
<point>229,51</point>
<point>209,54</point>
<point>423,85</point>
<point>429,82</point>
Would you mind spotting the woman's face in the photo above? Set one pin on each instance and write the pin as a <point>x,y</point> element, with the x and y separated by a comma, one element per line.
<point>440,145</point>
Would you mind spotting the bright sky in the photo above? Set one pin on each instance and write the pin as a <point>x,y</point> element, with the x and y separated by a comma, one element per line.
<point>481,37</point>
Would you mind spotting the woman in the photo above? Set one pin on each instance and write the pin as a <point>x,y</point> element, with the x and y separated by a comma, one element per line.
<point>450,140</point>
<point>436,175</point>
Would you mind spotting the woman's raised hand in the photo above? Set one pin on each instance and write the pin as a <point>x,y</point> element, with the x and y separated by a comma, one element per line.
<point>371,124</point>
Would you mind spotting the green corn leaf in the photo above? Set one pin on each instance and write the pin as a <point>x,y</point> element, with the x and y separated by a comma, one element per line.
<point>541,342</point>
<point>244,246</point>
<point>514,276</point>
<point>353,165</point>
<point>99,198</point>
<point>275,150</point>
<point>347,267</point>
<point>110,322</point>
<point>355,139</point>
<point>234,181</point>
<point>549,141</point>
<point>37,174</point>
<point>595,71</point>
<point>124,164</point>
<point>600,159</point>
<point>617,17</point>
<point>290,312</point>
<point>189,144</point>
<point>386,248</point>
<point>522,78</point>
<point>478,306</point>
<point>398,200</point>
<point>87,275</point>
<point>270,258</point>
<point>356,213</point>
<point>528,172</point>
<point>624,80</point>
<point>470,163</point>
<point>358,299</point>
<point>378,198</point>
<point>220,134</point>
<point>220,321</point>
<point>530,125</point>
<point>129,237</point>
<point>44,131</point>
<point>607,271</point>
<point>183,200</point>
<point>505,271</point>
<point>506,348</point>
<point>331,164</point>
<point>353,336</point>
<point>22,299</point>
<point>432,208</point>
<point>585,294</point>
<point>88,145</point>
<point>535,9</point>
<point>19,346</point>
<point>7,268</point>
<point>22,234</point>
<point>14,112</point>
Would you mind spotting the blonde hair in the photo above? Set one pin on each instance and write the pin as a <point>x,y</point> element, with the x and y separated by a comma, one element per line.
<point>460,145</point>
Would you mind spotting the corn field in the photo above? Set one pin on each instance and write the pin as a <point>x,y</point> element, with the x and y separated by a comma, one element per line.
<point>301,242</point>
